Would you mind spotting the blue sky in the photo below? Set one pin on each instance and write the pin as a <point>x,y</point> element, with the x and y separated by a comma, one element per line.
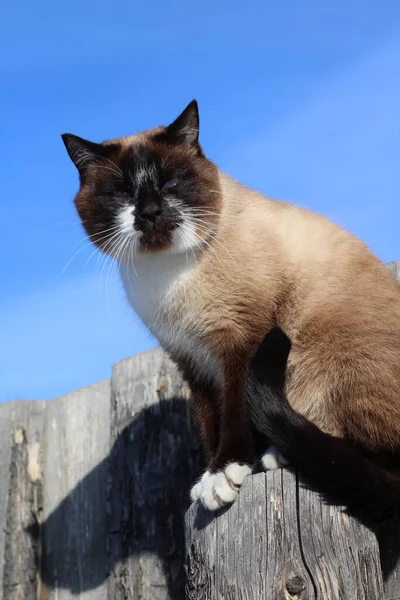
<point>298,99</point>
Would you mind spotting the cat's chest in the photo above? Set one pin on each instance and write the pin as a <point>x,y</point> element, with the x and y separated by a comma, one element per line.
<point>162,293</point>
<point>155,289</point>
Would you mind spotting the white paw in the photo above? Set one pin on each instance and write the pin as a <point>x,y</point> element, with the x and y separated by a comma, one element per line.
<point>195,492</point>
<point>272,459</point>
<point>220,489</point>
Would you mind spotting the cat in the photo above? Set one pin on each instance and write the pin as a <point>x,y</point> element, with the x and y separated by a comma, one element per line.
<point>211,267</point>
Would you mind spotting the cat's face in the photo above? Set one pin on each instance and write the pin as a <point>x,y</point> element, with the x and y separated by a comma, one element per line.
<point>154,191</point>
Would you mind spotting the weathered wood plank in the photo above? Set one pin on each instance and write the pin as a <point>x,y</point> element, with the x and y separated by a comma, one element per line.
<point>246,519</point>
<point>74,532</point>
<point>152,464</point>
<point>200,566</point>
<point>5,463</point>
<point>394,267</point>
<point>250,551</point>
<point>20,575</point>
<point>341,555</point>
<point>279,541</point>
<point>286,570</point>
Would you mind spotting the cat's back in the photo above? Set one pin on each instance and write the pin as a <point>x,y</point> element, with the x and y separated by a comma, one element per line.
<point>319,260</point>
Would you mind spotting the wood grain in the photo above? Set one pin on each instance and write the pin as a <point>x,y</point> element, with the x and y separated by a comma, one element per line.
<point>5,483</point>
<point>74,521</point>
<point>280,541</point>
<point>152,466</point>
<point>21,552</point>
<point>330,538</point>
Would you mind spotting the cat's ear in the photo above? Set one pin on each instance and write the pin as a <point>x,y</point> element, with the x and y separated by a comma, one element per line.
<point>81,151</point>
<point>185,128</point>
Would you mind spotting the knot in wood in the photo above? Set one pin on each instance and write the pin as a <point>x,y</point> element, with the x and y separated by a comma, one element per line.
<point>295,585</point>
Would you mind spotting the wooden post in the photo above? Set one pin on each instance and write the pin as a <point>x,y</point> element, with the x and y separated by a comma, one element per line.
<point>93,491</point>
<point>94,488</point>
<point>280,541</point>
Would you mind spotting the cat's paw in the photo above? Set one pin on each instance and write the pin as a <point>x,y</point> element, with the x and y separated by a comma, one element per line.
<point>196,490</point>
<point>222,488</point>
<point>272,459</point>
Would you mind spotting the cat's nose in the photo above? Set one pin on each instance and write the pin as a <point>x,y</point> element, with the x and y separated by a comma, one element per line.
<point>150,208</point>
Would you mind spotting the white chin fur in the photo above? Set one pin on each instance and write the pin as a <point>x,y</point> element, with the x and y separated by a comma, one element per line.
<point>215,490</point>
<point>184,238</point>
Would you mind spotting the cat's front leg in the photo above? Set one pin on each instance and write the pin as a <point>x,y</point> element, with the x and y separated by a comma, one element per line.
<point>205,408</point>
<point>234,457</point>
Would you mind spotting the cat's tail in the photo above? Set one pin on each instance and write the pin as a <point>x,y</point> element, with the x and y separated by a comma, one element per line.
<point>333,466</point>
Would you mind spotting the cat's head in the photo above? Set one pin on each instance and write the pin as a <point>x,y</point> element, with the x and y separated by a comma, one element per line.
<point>155,189</point>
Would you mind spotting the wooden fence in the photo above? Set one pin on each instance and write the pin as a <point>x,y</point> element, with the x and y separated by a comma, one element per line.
<point>94,489</point>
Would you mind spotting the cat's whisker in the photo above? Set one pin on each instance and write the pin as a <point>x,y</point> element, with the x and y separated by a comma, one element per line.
<point>202,211</point>
<point>108,264</point>
<point>96,250</point>
<point>132,253</point>
<point>93,237</point>
<point>110,251</point>
<point>183,243</point>
<point>206,230</point>
<point>200,247</point>
<point>127,256</point>
<point>104,251</point>
<point>189,230</point>
<point>209,246</point>
<point>201,214</point>
<point>69,261</point>
<point>113,228</point>
<point>105,248</point>
<point>107,238</point>
<point>105,245</point>
<point>199,220</point>
<point>118,256</point>
<point>101,256</point>
<point>87,245</point>
<point>187,258</point>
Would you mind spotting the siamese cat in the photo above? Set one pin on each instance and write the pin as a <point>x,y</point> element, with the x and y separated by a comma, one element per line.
<point>211,267</point>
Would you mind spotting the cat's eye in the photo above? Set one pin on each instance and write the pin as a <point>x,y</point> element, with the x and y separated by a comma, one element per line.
<point>121,194</point>
<point>171,183</point>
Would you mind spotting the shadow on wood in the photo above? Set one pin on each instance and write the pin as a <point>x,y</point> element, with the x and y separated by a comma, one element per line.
<point>389,544</point>
<point>145,482</point>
